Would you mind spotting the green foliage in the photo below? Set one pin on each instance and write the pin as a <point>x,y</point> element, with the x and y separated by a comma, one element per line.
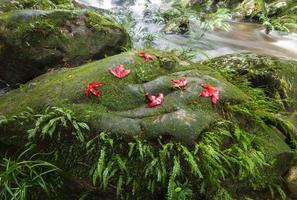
<point>274,15</point>
<point>8,5</point>
<point>142,74</point>
<point>225,154</point>
<point>217,20</point>
<point>209,21</point>
<point>26,179</point>
<point>55,123</point>
<point>139,34</point>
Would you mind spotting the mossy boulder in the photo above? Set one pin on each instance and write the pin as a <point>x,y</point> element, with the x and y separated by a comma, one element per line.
<point>277,77</point>
<point>121,108</point>
<point>34,41</point>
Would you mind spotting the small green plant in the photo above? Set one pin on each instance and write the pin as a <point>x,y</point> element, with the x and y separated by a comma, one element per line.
<point>57,123</point>
<point>26,179</point>
<point>141,74</point>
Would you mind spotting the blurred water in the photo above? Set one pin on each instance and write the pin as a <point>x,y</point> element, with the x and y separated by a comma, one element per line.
<point>242,37</point>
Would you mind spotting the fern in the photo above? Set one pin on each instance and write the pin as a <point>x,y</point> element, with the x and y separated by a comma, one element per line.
<point>178,168</point>
<point>53,122</point>
<point>171,184</point>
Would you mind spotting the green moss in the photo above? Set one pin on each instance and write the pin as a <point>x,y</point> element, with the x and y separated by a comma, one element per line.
<point>97,21</point>
<point>7,5</point>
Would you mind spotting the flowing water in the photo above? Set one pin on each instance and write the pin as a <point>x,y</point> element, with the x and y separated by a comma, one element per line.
<point>242,37</point>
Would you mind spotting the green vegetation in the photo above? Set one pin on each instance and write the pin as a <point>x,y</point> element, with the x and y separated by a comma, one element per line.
<point>57,121</point>
<point>274,15</point>
<point>8,5</point>
<point>217,19</point>
<point>202,169</point>
<point>226,160</point>
<point>22,179</point>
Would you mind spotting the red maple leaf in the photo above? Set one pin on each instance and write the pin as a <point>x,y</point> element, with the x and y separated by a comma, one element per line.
<point>93,88</point>
<point>155,100</point>
<point>119,71</point>
<point>210,91</point>
<point>146,57</point>
<point>179,83</point>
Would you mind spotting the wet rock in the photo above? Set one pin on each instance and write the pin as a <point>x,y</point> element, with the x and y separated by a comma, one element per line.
<point>177,25</point>
<point>41,40</point>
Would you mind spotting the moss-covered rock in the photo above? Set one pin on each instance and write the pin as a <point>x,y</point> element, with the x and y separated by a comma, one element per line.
<point>33,41</point>
<point>122,108</point>
<point>184,117</point>
<point>277,77</point>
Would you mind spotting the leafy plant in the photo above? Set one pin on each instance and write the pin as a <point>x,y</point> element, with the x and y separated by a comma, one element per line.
<point>143,73</point>
<point>217,20</point>
<point>54,122</point>
<point>26,179</point>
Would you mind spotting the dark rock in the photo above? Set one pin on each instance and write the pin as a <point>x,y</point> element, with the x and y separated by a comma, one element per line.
<point>34,41</point>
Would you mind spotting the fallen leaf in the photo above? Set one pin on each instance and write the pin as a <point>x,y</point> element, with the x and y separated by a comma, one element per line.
<point>179,83</point>
<point>146,57</point>
<point>119,71</point>
<point>155,100</point>
<point>210,91</point>
<point>93,88</point>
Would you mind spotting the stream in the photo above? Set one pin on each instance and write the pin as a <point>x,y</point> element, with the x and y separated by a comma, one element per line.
<point>242,37</point>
